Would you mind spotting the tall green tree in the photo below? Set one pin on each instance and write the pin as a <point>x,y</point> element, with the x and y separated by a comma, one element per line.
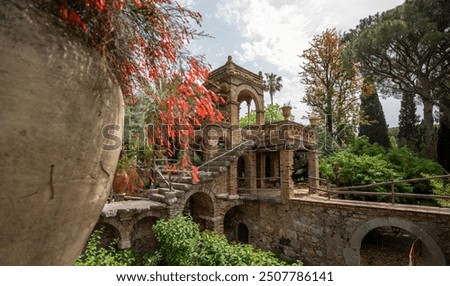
<point>409,46</point>
<point>409,123</point>
<point>331,82</point>
<point>373,124</point>
<point>272,84</point>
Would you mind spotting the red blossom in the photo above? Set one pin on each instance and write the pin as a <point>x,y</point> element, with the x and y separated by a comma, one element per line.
<point>152,49</point>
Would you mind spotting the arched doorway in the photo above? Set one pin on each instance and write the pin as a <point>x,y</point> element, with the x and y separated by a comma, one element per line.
<point>201,208</point>
<point>352,254</point>
<point>389,246</point>
<point>234,227</point>
<point>242,233</point>
<point>142,236</point>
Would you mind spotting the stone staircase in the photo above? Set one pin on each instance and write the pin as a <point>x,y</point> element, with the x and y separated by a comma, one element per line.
<point>173,185</point>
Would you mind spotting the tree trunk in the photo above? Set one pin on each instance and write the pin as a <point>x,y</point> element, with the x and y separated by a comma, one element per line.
<point>57,95</point>
<point>430,140</point>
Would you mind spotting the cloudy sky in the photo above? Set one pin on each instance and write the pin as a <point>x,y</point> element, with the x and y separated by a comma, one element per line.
<point>269,36</point>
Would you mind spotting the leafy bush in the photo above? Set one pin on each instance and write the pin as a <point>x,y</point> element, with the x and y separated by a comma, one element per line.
<point>441,187</point>
<point>357,169</point>
<point>411,165</point>
<point>105,256</point>
<point>183,244</point>
<point>153,258</point>
<point>361,146</point>
<point>364,163</point>
<point>179,239</point>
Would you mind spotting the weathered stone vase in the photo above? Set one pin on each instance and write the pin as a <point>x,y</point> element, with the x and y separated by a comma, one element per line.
<point>56,97</point>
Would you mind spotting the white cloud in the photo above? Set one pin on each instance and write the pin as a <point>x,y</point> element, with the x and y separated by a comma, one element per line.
<point>278,31</point>
<point>269,35</point>
<point>274,33</point>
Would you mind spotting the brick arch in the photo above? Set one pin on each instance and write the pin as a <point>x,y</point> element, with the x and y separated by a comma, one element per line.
<point>182,201</point>
<point>201,206</point>
<point>232,219</point>
<point>352,253</point>
<point>252,93</point>
<point>116,224</point>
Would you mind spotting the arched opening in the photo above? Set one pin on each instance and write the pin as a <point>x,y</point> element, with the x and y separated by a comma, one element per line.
<point>272,170</point>
<point>251,106</point>
<point>142,237</point>
<point>433,253</point>
<point>247,112</point>
<point>242,233</point>
<point>245,174</point>
<point>109,236</point>
<point>234,227</point>
<point>388,246</point>
<point>201,208</point>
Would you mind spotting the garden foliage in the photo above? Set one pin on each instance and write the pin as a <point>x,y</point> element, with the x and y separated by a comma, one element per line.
<point>181,244</point>
<point>364,163</point>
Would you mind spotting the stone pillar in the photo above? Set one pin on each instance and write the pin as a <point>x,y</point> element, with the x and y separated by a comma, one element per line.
<point>251,174</point>
<point>233,109</point>
<point>313,169</point>
<point>286,183</point>
<point>259,117</point>
<point>232,180</point>
<point>262,171</point>
<point>248,113</point>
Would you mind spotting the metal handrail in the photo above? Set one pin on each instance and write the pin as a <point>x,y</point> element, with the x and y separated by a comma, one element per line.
<point>223,154</point>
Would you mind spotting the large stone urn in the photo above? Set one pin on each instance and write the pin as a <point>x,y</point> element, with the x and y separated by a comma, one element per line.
<point>56,97</point>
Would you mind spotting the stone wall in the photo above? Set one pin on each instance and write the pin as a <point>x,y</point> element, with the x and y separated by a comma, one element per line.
<point>321,233</point>
<point>312,229</point>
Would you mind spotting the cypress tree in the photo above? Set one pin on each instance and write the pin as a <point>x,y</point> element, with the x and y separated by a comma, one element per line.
<point>374,126</point>
<point>409,123</point>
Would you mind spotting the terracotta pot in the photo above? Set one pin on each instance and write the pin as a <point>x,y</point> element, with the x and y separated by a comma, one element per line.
<point>286,111</point>
<point>120,182</point>
<point>56,97</point>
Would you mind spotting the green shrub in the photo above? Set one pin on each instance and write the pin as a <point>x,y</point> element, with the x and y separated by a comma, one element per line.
<point>153,258</point>
<point>361,146</point>
<point>105,256</point>
<point>412,165</point>
<point>364,163</point>
<point>178,239</point>
<point>183,244</point>
<point>362,170</point>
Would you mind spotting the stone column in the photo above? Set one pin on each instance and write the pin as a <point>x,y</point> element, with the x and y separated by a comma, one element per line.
<point>313,169</point>
<point>262,171</point>
<point>251,176</point>
<point>260,117</point>
<point>233,109</point>
<point>286,183</point>
<point>232,180</point>
<point>248,113</point>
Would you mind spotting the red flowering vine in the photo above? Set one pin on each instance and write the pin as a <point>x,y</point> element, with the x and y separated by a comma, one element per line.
<point>144,42</point>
